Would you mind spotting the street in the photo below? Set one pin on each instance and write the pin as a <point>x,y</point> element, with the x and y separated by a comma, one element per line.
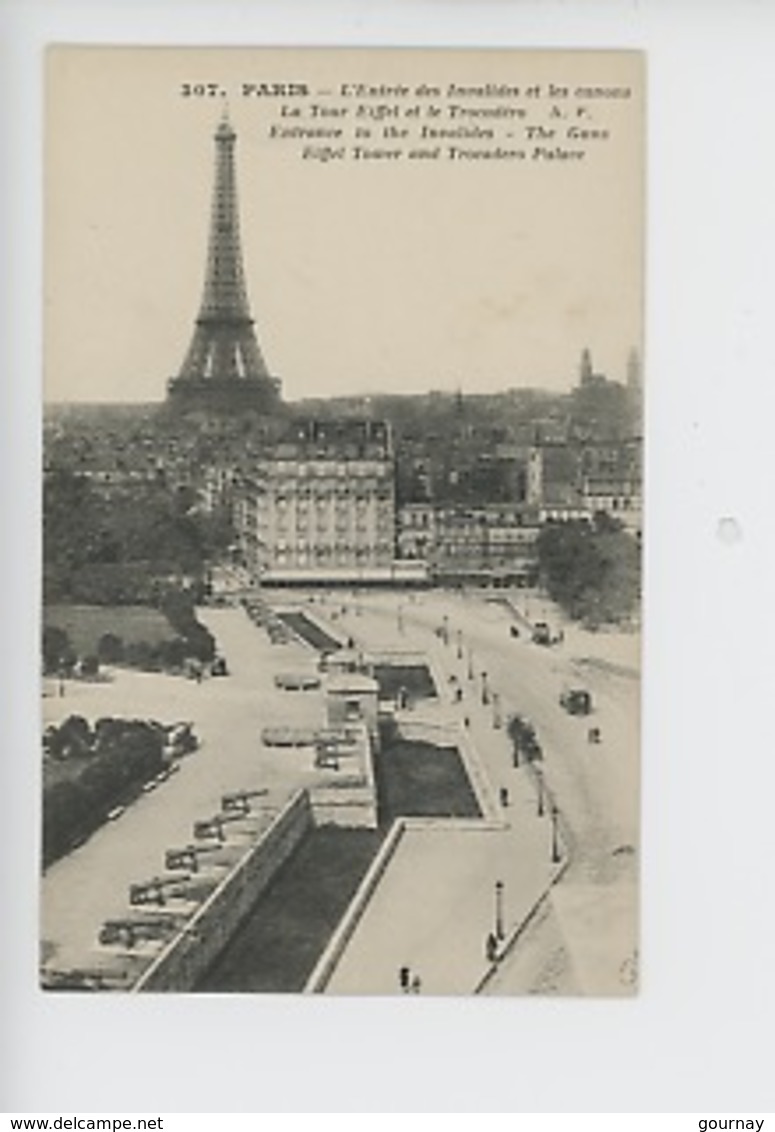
<point>595,786</point>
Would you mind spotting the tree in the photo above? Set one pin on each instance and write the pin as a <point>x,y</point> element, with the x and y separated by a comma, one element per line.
<point>139,654</point>
<point>524,739</point>
<point>178,607</point>
<point>72,739</point>
<point>64,811</point>
<point>58,652</point>
<point>123,753</point>
<point>591,569</point>
<point>110,648</point>
<point>90,666</point>
<point>109,550</point>
<point>172,653</point>
<point>71,528</point>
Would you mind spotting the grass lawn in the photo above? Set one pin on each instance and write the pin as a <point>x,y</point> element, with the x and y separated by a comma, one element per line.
<point>415,678</point>
<point>280,942</point>
<point>309,631</point>
<point>85,624</point>
<point>421,780</point>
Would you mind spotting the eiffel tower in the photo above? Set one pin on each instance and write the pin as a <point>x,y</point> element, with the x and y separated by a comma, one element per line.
<point>224,370</point>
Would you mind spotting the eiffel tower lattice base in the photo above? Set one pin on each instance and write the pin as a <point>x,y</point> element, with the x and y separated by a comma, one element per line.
<point>224,396</point>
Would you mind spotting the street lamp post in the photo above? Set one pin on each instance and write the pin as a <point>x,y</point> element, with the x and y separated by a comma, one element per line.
<point>555,838</point>
<point>515,734</point>
<point>497,720</point>
<point>485,692</point>
<point>499,932</point>
<point>459,644</point>
<point>540,781</point>
<point>470,665</point>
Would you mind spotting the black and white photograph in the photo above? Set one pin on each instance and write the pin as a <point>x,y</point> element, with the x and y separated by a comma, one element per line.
<point>342,521</point>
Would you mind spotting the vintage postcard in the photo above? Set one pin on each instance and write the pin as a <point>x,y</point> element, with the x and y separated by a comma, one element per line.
<point>342,521</point>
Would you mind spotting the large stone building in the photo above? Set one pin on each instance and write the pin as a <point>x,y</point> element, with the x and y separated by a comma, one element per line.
<point>488,543</point>
<point>611,481</point>
<point>318,504</point>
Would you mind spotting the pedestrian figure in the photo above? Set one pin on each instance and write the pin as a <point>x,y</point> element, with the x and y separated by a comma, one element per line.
<point>504,796</point>
<point>404,979</point>
<point>459,695</point>
<point>416,985</point>
<point>491,948</point>
<point>466,721</point>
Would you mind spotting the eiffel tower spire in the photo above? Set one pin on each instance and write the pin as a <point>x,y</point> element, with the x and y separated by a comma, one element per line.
<point>223,368</point>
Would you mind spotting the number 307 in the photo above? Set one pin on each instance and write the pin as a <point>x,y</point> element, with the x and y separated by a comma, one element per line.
<point>200,90</point>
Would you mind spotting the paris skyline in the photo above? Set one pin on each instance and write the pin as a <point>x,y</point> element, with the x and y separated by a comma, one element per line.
<point>361,278</point>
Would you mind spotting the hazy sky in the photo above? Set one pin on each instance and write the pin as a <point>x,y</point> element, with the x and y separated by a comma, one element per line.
<point>363,276</point>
